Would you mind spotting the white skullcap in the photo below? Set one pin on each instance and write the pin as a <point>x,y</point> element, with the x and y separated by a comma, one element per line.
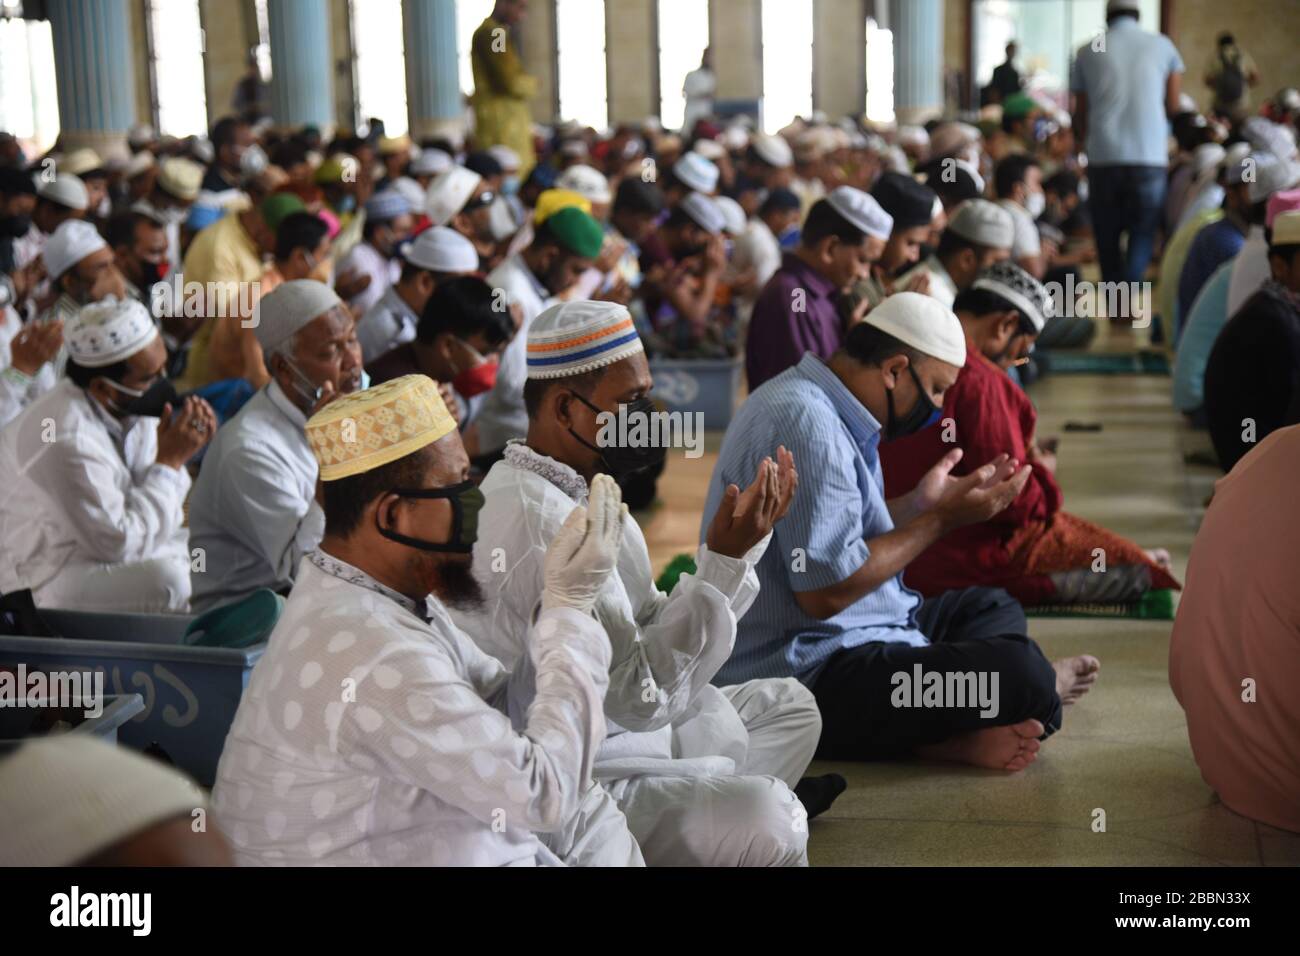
<point>862,211</point>
<point>141,133</point>
<point>774,151</point>
<point>442,249</point>
<point>104,333</point>
<point>587,182</point>
<point>1265,135</point>
<point>67,798</point>
<point>64,189</point>
<point>735,138</point>
<point>411,191</point>
<point>449,193</point>
<point>139,163</point>
<point>696,172</point>
<point>80,161</point>
<point>1270,175</point>
<point>431,162</point>
<point>1206,157</point>
<point>704,212</point>
<point>924,323</point>
<point>577,337</point>
<point>289,308</point>
<point>181,178</point>
<point>67,245</point>
<point>1015,285</point>
<point>984,223</point>
<point>506,216</point>
<point>952,137</point>
<point>913,136</point>
<point>710,149</point>
<point>506,157</point>
<point>733,215</point>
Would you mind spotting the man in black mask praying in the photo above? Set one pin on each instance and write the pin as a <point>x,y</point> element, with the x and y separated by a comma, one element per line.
<point>693,774</point>
<point>954,677</point>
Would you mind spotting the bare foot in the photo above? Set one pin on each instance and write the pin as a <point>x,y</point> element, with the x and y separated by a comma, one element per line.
<point>1012,747</point>
<point>1161,558</point>
<point>1075,676</point>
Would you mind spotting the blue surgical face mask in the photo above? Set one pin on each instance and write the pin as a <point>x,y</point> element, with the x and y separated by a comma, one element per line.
<point>510,186</point>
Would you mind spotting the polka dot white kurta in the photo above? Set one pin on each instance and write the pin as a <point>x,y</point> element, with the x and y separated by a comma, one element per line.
<point>369,737</point>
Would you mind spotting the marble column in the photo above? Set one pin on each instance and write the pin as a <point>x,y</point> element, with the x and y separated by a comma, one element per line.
<point>94,67</point>
<point>302,90</point>
<point>433,96</point>
<point>917,26</point>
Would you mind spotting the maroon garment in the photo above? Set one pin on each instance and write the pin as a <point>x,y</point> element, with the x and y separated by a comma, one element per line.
<point>400,361</point>
<point>795,313</point>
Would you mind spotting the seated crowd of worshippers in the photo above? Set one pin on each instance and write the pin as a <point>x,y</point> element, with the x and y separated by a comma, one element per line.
<point>373,377</point>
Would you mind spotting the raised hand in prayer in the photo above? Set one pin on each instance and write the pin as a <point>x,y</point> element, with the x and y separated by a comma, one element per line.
<point>449,399</point>
<point>983,493</point>
<point>920,284</point>
<point>584,553</point>
<point>36,344</point>
<point>743,519</point>
<point>181,436</point>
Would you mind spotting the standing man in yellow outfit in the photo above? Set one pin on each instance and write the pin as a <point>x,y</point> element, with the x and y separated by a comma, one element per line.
<point>501,87</point>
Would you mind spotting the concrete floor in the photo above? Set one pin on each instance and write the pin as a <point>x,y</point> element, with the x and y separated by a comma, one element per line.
<point>1122,750</point>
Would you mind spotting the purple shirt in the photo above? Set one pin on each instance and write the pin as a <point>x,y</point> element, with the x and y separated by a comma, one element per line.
<point>795,313</point>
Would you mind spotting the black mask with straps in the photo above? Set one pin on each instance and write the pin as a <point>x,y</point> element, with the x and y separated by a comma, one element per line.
<point>923,414</point>
<point>149,403</point>
<point>619,461</point>
<point>466,503</point>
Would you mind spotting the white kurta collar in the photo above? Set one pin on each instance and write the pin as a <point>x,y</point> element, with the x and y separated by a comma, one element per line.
<point>275,394</point>
<point>520,456</point>
<point>354,575</point>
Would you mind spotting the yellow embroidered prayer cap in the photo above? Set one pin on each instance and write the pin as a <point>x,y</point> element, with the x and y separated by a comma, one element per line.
<point>371,428</point>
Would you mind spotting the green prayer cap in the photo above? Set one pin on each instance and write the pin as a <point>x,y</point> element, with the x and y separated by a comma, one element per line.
<point>277,207</point>
<point>1018,105</point>
<point>577,231</point>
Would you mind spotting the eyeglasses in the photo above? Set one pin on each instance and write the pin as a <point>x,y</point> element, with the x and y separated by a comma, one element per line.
<point>481,200</point>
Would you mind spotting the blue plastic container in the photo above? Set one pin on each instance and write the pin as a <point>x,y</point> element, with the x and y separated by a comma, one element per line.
<point>16,722</point>
<point>190,694</point>
<point>709,386</point>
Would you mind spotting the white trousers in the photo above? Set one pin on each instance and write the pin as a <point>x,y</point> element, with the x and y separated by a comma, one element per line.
<point>749,818</point>
<point>158,585</point>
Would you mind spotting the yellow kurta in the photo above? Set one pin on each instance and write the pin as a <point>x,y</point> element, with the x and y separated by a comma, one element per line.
<point>501,93</point>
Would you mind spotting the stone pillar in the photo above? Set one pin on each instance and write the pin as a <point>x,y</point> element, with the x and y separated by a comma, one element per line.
<point>94,67</point>
<point>736,35</point>
<point>918,58</point>
<point>433,97</point>
<point>301,83</point>
<point>840,57</point>
<point>633,60</point>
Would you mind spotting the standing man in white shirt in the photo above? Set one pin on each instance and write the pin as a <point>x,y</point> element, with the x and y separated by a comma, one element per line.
<point>253,512</point>
<point>94,475</point>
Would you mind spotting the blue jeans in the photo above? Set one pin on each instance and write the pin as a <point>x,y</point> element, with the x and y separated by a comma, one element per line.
<point>1126,199</point>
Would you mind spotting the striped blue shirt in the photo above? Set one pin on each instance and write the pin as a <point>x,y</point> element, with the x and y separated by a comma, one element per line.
<point>839,506</point>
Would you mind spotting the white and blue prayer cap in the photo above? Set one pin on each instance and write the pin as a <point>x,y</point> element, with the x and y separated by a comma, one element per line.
<point>1012,283</point>
<point>705,212</point>
<point>387,204</point>
<point>924,323</point>
<point>107,332</point>
<point>861,211</point>
<point>573,338</point>
<point>696,172</point>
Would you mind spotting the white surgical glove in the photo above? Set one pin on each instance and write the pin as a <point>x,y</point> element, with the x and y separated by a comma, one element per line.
<point>584,553</point>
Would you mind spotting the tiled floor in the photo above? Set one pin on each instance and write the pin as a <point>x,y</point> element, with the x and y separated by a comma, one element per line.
<point>1123,750</point>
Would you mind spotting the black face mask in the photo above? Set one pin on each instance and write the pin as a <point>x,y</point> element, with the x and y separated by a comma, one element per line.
<point>14,227</point>
<point>150,275</point>
<point>620,462</point>
<point>149,403</point>
<point>923,413</point>
<point>466,502</point>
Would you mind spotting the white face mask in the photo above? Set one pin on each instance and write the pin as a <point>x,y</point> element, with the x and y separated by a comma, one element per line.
<point>1035,203</point>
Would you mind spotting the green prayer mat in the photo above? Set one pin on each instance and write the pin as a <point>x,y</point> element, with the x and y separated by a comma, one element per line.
<point>682,564</point>
<point>1104,363</point>
<point>1155,605</point>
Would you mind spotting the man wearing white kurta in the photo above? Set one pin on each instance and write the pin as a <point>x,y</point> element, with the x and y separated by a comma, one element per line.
<point>253,513</point>
<point>369,733</point>
<point>563,248</point>
<point>702,774</point>
<point>979,234</point>
<point>93,474</point>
